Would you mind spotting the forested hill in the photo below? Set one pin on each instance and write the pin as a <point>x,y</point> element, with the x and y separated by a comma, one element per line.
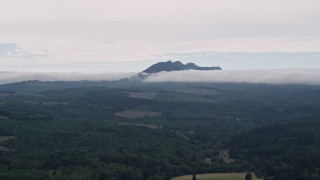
<point>159,131</point>
<point>281,151</point>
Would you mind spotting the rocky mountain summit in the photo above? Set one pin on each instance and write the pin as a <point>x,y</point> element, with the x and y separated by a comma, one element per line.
<point>176,66</point>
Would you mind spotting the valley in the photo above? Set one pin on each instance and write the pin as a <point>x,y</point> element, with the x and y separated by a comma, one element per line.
<point>108,133</point>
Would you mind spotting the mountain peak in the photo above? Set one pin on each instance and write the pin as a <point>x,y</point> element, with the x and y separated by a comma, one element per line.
<point>176,66</point>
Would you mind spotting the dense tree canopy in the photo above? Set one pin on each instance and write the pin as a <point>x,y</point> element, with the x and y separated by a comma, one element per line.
<point>76,133</point>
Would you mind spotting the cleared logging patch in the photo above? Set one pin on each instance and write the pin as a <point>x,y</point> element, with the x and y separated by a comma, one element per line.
<point>137,114</point>
<point>5,94</point>
<point>140,125</point>
<point>224,155</point>
<point>3,139</point>
<point>142,95</point>
<point>175,96</point>
<point>3,148</point>
<point>6,138</point>
<point>198,91</point>
<point>3,117</point>
<point>216,176</point>
<point>47,103</point>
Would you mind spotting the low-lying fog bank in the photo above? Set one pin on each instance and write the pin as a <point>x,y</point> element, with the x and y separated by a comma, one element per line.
<point>271,76</point>
<point>10,77</point>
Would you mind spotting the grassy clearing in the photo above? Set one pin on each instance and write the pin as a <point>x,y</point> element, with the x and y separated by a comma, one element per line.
<point>198,91</point>
<point>140,125</point>
<point>3,117</point>
<point>46,103</point>
<point>216,176</point>
<point>3,148</point>
<point>6,138</point>
<point>224,155</point>
<point>182,97</point>
<point>50,103</point>
<point>137,114</point>
<point>208,161</point>
<point>3,139</point>
<point>5,94</point>
<point>143,95</point>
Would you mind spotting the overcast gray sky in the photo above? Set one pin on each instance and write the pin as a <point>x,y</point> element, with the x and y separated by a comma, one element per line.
<point>126,35</point>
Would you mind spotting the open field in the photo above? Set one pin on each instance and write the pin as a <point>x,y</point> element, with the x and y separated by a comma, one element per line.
<point>140,125</point>
<point>47,103</point>
<point>3,117</point>
<point>216,176</point>
<point>137,114</point>
<point>198,91</point>
<point>3,148</point>
<point>142,95</point>
<point>175,96</point>
<point>224,155</point>
<point>208,161</point>
<point>5,94</point>
<point>5,138</point>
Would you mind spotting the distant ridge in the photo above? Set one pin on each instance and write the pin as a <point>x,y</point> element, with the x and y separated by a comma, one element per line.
<point>36,86</point>
<point>176,66</point>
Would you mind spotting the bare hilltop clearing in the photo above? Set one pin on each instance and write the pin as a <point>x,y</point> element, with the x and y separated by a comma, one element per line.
<point>140,125</point>
<point>137,114</point>
<point>217,176</point>
<point>198,91</point>
<point>142,95</point>
<point>3,117</point>
<point>6,138</point>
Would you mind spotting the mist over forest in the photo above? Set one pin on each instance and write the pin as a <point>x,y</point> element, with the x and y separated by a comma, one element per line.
<point>268,76</point>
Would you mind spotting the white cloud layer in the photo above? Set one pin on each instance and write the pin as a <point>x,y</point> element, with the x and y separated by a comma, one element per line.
<point>272,76</point>
<point>10,77</point>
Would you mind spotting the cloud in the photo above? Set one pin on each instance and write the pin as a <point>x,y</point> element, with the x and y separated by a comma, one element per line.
<point>271,76</point>
<point>11,50</point>
<point>249,60</point>
<point>85,31</point>
<point>10,77</point>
